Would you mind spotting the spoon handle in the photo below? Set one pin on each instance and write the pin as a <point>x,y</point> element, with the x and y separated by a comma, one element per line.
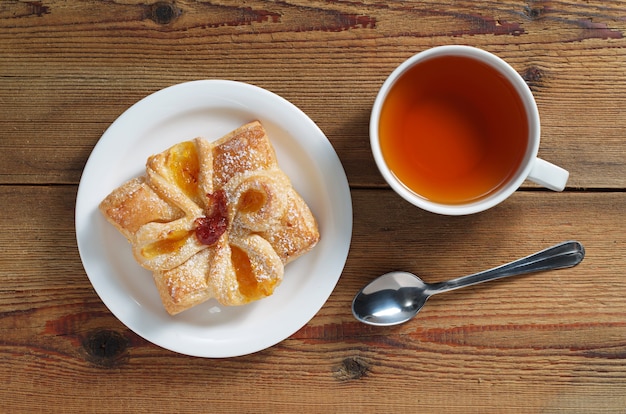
<point>559,256</point>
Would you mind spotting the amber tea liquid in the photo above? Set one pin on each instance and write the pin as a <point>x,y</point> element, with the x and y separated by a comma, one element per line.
<point>453,129</point>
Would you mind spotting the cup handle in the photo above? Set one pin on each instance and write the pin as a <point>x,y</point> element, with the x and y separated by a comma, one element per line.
<point>548,175</point>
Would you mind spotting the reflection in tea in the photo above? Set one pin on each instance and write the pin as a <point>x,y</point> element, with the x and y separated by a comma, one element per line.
<point>453,129</point>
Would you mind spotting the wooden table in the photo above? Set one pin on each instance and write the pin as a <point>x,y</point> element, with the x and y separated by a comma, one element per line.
<point>549,343</point>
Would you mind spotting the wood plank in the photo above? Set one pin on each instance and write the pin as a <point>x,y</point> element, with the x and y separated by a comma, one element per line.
<point>61,90</point>
<point>538,343</point>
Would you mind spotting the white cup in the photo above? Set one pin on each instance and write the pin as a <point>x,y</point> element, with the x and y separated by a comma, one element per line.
<point>531,167</point>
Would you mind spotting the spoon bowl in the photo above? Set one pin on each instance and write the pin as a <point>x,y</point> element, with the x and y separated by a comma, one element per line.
<point>396,297</point>
<point>390,298</point>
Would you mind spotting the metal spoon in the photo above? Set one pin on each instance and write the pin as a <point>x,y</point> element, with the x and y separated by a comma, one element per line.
<point>396,297</point>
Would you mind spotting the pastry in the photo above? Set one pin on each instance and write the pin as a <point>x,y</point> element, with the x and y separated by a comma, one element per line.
<point>214,220</point>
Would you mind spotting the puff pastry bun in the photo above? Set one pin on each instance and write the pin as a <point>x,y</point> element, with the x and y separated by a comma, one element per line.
<point>214,220</point>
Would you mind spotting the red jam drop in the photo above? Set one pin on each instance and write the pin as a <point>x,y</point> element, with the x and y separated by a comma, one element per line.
<point>210,228</point>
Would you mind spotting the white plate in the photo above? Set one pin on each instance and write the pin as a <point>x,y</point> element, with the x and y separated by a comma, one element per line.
<point>211,108</point>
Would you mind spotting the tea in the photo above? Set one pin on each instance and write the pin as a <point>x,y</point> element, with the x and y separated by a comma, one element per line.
<point>453,129</point>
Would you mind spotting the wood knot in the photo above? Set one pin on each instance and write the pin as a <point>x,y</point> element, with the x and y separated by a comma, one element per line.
<point>163,12</point>
<point>352,368</point>
<point>37,8</point>
<point>106,348</point>
<point>533,76</point>
<point>534,13</point>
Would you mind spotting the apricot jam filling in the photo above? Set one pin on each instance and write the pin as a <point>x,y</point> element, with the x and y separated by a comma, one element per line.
<point>172,242</point>
<point>182,161</point>
<point>249,286</point>
<point>252,200</point>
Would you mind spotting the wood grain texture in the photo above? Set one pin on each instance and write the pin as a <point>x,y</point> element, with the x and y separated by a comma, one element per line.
<point>548,343</point>
<point>70,68</point>
<point>531,343</point>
